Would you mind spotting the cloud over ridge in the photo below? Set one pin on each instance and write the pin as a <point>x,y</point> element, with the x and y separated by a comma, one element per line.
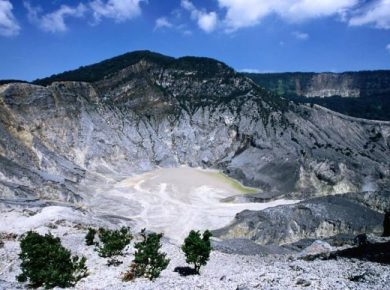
<point>8,23</point>
<point>246,13</point>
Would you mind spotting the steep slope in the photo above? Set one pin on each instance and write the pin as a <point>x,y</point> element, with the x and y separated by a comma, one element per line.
<point>317,218</point>
<point>363,94</point>
<point>143,110</point>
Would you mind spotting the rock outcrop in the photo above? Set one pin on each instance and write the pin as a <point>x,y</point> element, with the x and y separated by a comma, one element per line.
<point>317,218</point>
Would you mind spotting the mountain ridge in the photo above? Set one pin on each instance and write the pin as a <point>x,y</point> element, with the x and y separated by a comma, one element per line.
<point>98,71</point>
<point>71,141</point>
<point>174,88</point>
<point>363,94</point>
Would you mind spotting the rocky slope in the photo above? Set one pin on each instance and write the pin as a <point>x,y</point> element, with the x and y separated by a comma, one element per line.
<point>318,218</point>
<point>67,141</point>
<point>160,111</point>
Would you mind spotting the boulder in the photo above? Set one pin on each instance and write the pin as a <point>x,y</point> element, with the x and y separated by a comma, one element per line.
<point>317,250</point>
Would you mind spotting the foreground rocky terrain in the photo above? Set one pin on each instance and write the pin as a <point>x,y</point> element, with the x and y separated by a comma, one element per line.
<point>68,147</point>
<point>224,271</point>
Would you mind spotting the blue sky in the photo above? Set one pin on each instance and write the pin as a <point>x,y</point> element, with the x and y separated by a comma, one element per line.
<point>40,38</point>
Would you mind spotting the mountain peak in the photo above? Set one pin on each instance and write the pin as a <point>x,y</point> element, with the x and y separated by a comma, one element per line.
<point>99,71</point>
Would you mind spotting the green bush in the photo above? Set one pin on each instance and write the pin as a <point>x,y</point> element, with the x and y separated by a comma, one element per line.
<point>90,237</point>
<point>197,249</point>
<point>45,262</point>
<point>113,241</point>
<point>148,260</point>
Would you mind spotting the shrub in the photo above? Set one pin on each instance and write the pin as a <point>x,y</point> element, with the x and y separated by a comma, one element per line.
<point>148,260</point>
<point>45,262</point>
<point>90,236</point>
<point>197,249</point>
<point>113,241</point>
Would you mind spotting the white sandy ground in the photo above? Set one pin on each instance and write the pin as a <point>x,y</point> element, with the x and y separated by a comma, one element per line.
<point>174,201</point>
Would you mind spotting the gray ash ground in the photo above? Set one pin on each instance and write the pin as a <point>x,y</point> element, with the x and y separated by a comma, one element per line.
<point>224,271</point>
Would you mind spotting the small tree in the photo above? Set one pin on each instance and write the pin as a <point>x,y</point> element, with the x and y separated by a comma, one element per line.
<point>90,237</point>
<point>113,241</point>
<point>45,262</point>
<point>197,249</point>
<point>148,260</point>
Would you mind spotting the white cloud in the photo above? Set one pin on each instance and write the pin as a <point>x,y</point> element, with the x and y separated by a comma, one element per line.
<point>245,13</point>
<point>207,21</point>
<point>255,71</point>
<point>54,21</point>
<point>298,10</point>
<point>300,35</point>
<point>250,70</point>
<point>8,24</point>
<point>162,22</point>
<point>388,47</point>
<point>32,12</point>
<point>119,10</point>
<point>187,5</point>
<point>377,14</point>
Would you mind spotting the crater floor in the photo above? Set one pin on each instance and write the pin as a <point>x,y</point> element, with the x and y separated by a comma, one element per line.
<point>174,200</point>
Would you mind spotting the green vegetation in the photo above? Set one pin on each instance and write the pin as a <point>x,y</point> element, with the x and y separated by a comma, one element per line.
<point>45,262</point>
<point>205,67</point>
<point>4,82</point>
<point>99,71</point>
<point>89,238</point>
<point>234,183</point>
<point>197,249</point>
<point>148,260</point>
<point>375,107</point>
<point>113,241</point>
<point>373,102</point>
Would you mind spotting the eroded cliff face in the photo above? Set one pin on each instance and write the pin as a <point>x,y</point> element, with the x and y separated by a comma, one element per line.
<point>365,84</point>
<point>363,94</point>
<point>327,85</point>
<point>54,139</point>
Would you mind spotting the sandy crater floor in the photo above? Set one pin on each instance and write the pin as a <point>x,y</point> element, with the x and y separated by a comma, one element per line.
<point>175,200</point>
